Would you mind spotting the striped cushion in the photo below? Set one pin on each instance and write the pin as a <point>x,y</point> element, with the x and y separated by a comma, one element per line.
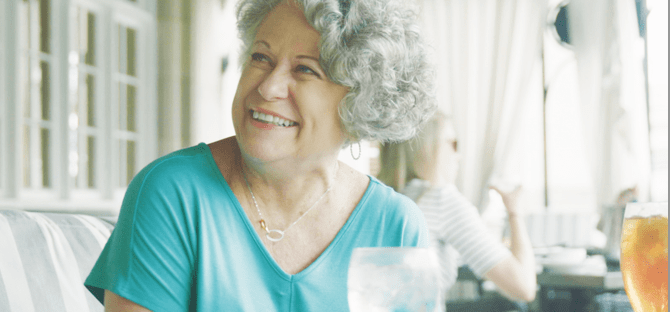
<point>44,259</point>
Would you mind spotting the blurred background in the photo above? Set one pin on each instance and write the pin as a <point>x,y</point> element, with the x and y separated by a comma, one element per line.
<point>568,99</point>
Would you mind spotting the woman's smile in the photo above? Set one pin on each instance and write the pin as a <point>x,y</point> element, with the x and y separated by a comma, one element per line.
<point>269,120</point>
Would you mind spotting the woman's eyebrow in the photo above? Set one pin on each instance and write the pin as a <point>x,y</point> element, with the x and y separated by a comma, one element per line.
<point>308,57</point>
<point>263,42</point>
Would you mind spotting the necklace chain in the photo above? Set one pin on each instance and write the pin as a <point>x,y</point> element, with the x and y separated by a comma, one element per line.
<point>277,235</point>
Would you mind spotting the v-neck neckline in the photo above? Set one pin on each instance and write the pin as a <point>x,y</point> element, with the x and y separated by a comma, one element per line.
<point>257,239</point>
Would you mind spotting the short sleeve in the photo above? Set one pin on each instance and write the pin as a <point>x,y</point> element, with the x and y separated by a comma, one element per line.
<point>415,230</point>
<point>466,232</point>
<point>397,216</point>
<point>149,258</point>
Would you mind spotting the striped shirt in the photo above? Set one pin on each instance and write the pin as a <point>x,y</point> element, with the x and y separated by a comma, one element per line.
<point>456,229</point>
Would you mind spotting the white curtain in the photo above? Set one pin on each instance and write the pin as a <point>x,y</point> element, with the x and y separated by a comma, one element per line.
<point>485,53</point>
<point>610,53</point>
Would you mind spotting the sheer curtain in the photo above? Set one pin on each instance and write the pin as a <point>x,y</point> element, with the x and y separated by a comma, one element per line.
<point>610,54</point>
<point>486,52</point>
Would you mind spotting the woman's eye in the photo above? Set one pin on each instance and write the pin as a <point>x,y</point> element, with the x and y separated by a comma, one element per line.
<point>258,57</point>
<point>306,70</point>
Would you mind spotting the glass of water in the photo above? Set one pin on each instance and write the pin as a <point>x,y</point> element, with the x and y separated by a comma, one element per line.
<point>394,279</point>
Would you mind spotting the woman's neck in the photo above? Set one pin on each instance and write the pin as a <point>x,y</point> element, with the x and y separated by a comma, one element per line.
<point>288,185</point>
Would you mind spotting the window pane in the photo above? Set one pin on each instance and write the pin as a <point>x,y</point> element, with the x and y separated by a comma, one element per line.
<point>89,98</point>
<point>131,96</point>
<point>89,45</point>
<point>44,90</point>
<point>121,66</point>
<point>44,11</point>
<point>24,84</point>
<point>130,161</point>
<point>83,37</point>
<point>131,52</point>
<point>25,164</point>
<point>127,107</point>
<point>122,106</point>
<point>44,153</point>
<point>90,161</point>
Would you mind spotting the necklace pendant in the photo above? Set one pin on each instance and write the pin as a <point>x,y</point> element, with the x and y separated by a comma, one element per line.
<point>277,235</point>
<point>274,235</point>
<point>264,226</point>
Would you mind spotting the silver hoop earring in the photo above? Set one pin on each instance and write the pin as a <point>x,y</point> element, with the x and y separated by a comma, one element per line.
<point>351,149</point>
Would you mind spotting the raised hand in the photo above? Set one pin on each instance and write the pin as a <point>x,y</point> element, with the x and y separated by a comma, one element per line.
<point>510,199</point>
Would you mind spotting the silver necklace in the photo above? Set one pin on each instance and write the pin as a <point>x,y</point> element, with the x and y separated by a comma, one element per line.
<point>277,235</point>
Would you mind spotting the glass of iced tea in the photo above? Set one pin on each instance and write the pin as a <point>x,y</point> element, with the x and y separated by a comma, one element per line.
<point>644,256</point>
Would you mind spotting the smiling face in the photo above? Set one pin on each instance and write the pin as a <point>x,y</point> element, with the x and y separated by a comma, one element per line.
<point>285,106</point>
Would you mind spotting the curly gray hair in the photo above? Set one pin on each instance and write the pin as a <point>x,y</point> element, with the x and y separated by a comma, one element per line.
<point>374,48</point>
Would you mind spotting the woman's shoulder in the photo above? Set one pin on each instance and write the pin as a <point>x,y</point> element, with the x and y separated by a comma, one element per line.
<point>382,189</point>
<point>396,214</point>
<point>371,194</point>
<point>178,167</point>
<point>193,156</point>
<point>171,183</point>
<point>387,199</point>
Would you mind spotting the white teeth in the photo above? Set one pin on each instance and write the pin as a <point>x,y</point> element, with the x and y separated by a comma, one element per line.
<point>272,119</point>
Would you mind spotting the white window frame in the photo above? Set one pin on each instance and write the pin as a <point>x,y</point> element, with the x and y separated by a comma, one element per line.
<point>54,124</point>
<point>101,36</point>
<point>101,100</point>
<point>63,196</point>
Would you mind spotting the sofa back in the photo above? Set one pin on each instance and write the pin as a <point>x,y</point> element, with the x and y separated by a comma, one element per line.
<point>45,258</point>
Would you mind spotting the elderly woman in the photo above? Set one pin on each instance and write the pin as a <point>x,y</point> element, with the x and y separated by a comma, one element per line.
<point>267,220</point>
<point>425,169</point>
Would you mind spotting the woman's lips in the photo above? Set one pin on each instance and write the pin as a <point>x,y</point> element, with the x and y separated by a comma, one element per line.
<point>261,116</point>
<point>262,125</point>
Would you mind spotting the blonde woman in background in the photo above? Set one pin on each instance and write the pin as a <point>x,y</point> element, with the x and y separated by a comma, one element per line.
<point>425,170</point>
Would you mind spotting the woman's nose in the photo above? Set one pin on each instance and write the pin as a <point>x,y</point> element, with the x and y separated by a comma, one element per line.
<point>276,84</point>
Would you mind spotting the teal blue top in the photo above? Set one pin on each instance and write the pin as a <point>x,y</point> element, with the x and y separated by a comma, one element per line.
<point>183,242</point>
